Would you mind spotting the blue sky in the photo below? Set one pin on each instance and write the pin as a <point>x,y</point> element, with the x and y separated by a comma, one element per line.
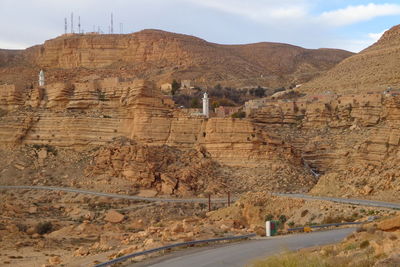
<point>346,24</point>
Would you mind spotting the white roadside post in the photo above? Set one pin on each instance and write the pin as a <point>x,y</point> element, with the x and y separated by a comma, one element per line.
<point>268,228</point>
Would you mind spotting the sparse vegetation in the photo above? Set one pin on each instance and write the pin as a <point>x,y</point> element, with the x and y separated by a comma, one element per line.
<point>44,228</point>
<point>269,217</point>
<point>304,213</point>
<point>49,148</point>
<point>364,244</point>
<point>239,114</point>
<point>282,218</point>
<point>175,87</point>
<point>3,112</point>
<point>101,96</point>
<point>293,260</point>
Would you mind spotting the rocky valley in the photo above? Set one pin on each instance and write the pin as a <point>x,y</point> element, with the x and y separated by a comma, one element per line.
<point>101,122</point>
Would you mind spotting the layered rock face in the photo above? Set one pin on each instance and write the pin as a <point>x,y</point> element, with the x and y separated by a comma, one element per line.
<point>163,56</point>
<point>96,112</point>
<point>351,140</point>
<point>373,69</point>
<point>173,152</point>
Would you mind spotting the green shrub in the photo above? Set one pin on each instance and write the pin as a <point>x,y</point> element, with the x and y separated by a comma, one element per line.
<point>239,114</point>
<point>269,217</point>
<point>282,219</point>
<point>364,244</point>
<point>44,228</point>
<point>304,213</point>
<point>175,87</point>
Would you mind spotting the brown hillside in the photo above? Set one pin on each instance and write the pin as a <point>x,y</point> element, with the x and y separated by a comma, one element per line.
<point>373,69</point>
<point>162,56</point>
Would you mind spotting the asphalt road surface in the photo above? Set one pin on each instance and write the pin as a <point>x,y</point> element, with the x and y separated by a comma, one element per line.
<point>110,195</point>
<point>361,202</point>
<point>242,254</point>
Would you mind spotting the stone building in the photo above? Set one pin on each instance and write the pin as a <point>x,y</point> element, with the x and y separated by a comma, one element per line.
<point>166,87</point>
<point>185,84</point>
<point>225,111</point>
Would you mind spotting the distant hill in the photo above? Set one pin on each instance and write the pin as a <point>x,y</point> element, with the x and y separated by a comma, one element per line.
<point>163,56</point>
<point>373,69</point>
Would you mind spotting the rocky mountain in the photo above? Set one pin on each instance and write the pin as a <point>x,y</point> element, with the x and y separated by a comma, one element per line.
<point>373,69</point>
<point>162,56</point>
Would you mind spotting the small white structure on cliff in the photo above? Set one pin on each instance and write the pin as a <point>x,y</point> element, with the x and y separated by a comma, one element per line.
<point>41,78</point>
<point>206,105</point>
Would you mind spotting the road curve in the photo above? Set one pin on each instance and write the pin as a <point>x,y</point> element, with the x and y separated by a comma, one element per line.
<point>110,195</point>
<point>362,202</point>
<point>240,254</point>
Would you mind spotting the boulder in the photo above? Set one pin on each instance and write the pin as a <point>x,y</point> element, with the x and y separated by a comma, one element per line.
<point>113,216</point>
<point>177,228</point>
<point>81,251</point>
<point>42,154</point>
<point>32,209</point>
<point>55,260</point>
<point>392,224</point>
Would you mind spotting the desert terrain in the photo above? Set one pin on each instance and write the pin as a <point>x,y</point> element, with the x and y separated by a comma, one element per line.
<point>103,122</point>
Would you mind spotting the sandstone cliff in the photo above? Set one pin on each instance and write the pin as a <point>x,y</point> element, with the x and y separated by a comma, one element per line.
<point>161,56</point>
<point>85,115</point>
<point>351,141</point>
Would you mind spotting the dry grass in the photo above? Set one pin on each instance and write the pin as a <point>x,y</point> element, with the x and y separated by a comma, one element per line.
<point>309,259</point>
<point>291,259</point>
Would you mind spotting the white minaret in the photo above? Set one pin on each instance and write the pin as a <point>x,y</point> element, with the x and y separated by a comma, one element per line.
<point>41,78</point>
<point>206,111</point>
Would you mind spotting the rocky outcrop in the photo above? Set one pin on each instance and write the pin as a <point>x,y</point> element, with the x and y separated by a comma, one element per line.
<point>166,169</point>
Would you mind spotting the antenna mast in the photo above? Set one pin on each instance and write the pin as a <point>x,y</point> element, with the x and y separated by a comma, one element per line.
<point>65,26</point>
<point>112,24</point>
<point>79,24</point>
<point>72,22</point>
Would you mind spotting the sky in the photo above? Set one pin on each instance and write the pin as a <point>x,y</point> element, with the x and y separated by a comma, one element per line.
<point>346,24</point>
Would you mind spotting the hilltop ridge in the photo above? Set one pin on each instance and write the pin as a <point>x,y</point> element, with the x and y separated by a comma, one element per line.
<point>163,56</point>
<point>372,70</point>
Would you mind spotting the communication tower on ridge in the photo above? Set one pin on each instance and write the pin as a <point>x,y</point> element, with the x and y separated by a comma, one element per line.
<point>112,24</point>
<point>72,22</point>
<point>65,26</point>
<point>79,24</point>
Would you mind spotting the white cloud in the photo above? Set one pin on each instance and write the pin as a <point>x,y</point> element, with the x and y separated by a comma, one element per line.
<point>12,45</point>
<point>376,36</point>
<point>261,11</point>
<point>354,14</point>
<point>268,11</point>
<point>358,45</point>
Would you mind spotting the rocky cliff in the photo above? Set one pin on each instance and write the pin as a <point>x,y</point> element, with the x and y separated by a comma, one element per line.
<point>351,141</point>
<point>162,56</point>
<point>96,113</point>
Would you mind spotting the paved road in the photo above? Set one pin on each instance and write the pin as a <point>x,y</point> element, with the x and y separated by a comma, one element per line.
<point>202,200</point>
<point>361,202</point>
<point>94,193</point>
<point>240,254</point>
